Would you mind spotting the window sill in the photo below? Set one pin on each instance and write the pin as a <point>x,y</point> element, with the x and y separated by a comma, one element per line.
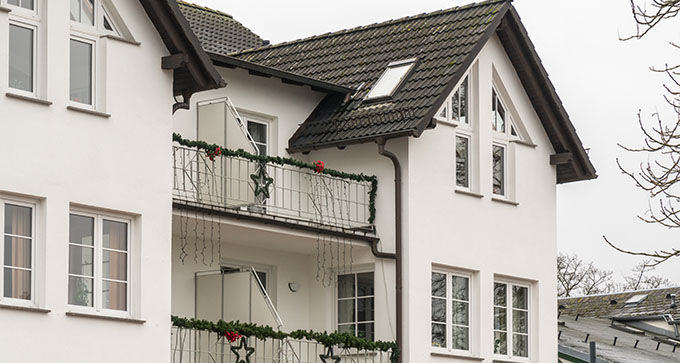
<point>505,201</point>
<point>446,122</point>
<point>458,356</point>
<point>520,142</point>
<point>510,360</point>
<point>28,98</point>
<point>24,308</point>
<point>120,39</point>
<point>472,194</point>
<point>104,317</point>
<point>88,111</point>
<point>4,9</point>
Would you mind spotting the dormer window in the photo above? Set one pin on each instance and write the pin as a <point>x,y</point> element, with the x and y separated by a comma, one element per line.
<point>390,80</point>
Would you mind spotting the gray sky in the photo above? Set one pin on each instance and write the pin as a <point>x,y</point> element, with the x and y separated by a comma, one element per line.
<point>601,81</point>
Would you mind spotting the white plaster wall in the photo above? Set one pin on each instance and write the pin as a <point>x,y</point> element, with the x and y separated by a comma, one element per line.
<point>120,163</point>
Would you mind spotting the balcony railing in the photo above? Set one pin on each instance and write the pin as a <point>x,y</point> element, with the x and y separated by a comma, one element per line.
<point>273,187</point>
<point>199,346</point>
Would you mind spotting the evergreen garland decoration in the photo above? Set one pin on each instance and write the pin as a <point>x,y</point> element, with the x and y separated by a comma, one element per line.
<point>216,150</point>
<point>263,332</point>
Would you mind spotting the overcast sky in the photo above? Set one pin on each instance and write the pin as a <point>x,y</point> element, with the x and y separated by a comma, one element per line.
<point>601,81</point>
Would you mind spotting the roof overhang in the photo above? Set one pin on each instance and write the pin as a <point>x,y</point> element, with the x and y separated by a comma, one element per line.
<point>192,69</point>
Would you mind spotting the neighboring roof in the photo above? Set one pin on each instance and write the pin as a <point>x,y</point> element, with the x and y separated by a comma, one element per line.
<point>445,43</point>
<point>656,304</point>
<point>192,69</point>
<point>218,32</point>
<point>573,333</point>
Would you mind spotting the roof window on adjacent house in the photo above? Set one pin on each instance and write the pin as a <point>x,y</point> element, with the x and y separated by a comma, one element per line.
<point>635,300</point>
<point>390,80</point>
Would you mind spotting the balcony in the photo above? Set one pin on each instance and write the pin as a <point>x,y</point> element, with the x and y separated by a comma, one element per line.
<point>272,188</point>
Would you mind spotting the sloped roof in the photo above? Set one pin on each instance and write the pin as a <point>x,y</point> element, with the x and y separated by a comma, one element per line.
<point>218,32</point>
<point>655,304</point>
<point>445,43</point>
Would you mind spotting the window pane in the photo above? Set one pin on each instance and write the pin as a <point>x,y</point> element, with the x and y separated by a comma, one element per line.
<point>519,321</point>
<point>498,170</point>
<point>365,331</point>
<point>493,109</point>
<point>17,252</point>
<point>500,319</point>
<point>461,338</point>
<point>455,107</point>
<point>17,284</point>
<point>365,309</point>
<point>365,284</point>
<point>520,297</point>
<point>14,2</point>
<point>442,114</point>
<point>460,288</point>
<point>81,260</point>
<point>114,295</point>
<point>460,313</point>
<point>463,101</point>
<point>75,10</point>
<point>80,291</point>
<point>499,293</point>
<point>84,10</point>
<point>346,311</point>
<point>350,328</point>
<point>26,4</point>
<point>81,72</point>
<point>462,162</point>
<point>389,80</point>
<point>258,131</point>
<point>115,235</point>
<point>114,265</point>
<point>263,278</point>
<point>81,230</point>
<point>439,335</point>
<point>18,220</point>
<point>520,345</point>
<point>500,118</point>
<point>500,343</point>
<point>438,284</point>
<point>439,310</point>
<point>345,286</point>
<point>21,58</point>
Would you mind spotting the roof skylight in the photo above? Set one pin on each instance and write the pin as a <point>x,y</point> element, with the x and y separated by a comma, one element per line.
<point>635,300</point>
<point>390,80</point>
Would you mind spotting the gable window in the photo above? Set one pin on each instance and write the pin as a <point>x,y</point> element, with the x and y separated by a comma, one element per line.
<point>450,311</point>
<point>26,4</point>
<point>511,320</point>
<point>356,305</point>
<point>462,161</point>
<point>81,72</point>
<point>82,11</point>
<point>22,57</point>
<point>17,254</point>
<point>460,102</point>
<point>259,133</point>
<point>391,78</point>
<point>498,172</point>
<point>99,262</point>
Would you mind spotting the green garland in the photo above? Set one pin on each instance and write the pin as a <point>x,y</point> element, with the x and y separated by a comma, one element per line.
<point>211,150</point>
<point>263,332</point>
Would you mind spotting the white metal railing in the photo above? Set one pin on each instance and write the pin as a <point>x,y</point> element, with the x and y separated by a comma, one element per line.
<point>195,346</point>
<point>301,194</point>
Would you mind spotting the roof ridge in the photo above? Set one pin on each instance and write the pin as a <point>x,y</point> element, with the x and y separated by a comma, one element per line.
<point>622,292</point>
<point>372,26</point>
<point>205,8</point>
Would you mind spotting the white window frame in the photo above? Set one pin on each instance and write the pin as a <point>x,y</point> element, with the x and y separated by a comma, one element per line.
<point>97,284</point>
<point>23,23</point>
<point>356,298</point>
<point>22,202</point>
<point>83,26</point>
<point>267,127</point>
<point>20,10</point>
<point>509,316</point>
<point>31,19</point>
<point>93,76</point>
<point>504,146</point>
<point>449,310</point>
<point>409,64</point>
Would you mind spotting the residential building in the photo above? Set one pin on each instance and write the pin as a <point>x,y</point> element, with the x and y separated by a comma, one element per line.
<point>395,182</point>
<point>632,326</point>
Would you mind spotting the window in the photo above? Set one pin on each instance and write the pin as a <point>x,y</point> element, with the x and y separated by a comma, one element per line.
<point>356,304</point>
<point>99,262</point>
<point>462,161</point>
<point>22,57</point>
<point>18,250</point>
<point>258,131</point>
<point>459,103</point>
<point>81,72</point>
<point>498,113</point>
<point>498,166</point>
<point>82,11</point>
<point>390,80</point>
<point>450,311</point>
<point>26,4</point>
<point>511,323</point>
<point>261,274</point>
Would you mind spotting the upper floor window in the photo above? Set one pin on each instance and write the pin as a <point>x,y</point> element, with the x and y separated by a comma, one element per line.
<point>81,71</point>
<point>460,103</point>
<point>511,320</point>
<point>22,64</point>
<point>260,134</point>
<point>356,305</point>
<point>99,263</point>
<point>82,11</point>
<point>26,4</point>
<point>501,121</point>
<point>17,254</point>
<point>391,78</point>
<point>463,161</point>
<point>498,169</point>
<point>450,311</point>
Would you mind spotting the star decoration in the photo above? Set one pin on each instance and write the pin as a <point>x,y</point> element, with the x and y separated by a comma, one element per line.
<point>262,181</point>
<point>243,345</point>
<point>329,355</point>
